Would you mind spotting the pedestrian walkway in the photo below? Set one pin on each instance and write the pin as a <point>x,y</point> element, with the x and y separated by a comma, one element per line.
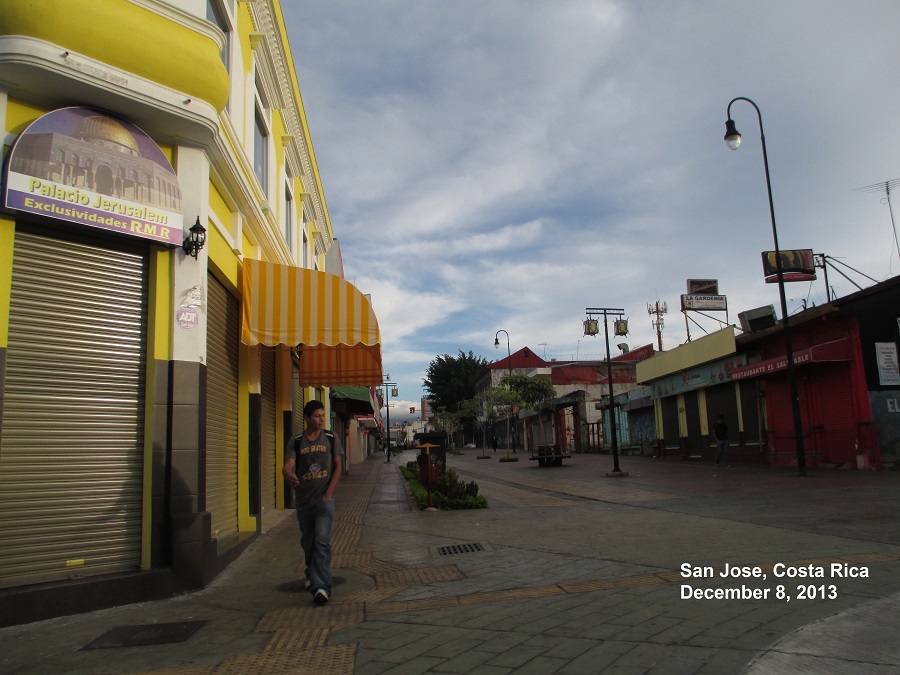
<point>567,572</point>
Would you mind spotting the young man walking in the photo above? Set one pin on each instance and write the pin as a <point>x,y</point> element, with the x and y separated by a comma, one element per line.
<point>312,467</point>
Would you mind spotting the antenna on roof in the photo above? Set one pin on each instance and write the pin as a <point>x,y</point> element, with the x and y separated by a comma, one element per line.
<point>885,187</point>
<point>657,309</point>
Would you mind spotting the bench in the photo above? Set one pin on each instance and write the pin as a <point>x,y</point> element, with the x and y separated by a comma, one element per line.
<point>549,455</point>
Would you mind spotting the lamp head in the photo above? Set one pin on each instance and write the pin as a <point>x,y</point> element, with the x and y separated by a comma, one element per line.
<point>195,240</point>
<point>496,342</point>
<point>732,136</point>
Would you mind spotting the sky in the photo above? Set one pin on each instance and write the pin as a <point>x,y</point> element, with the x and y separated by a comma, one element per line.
<point>505,164</point>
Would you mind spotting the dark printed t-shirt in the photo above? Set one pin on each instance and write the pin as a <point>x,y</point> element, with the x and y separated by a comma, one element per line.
<point>313,462</point>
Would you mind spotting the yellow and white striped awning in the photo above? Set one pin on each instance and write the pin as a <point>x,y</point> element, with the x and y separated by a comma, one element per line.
<point>326,317</point>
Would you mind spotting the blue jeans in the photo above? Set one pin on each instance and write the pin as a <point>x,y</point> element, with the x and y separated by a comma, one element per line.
<point>723,449</point>
<point>315,538</point>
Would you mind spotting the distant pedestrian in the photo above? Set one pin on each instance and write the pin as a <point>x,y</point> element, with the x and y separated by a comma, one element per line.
<point>494,442</point>
<point>720,431</point>
<point>312,466</point>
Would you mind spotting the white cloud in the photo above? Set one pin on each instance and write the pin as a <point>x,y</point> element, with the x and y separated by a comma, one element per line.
<point>507,164</point>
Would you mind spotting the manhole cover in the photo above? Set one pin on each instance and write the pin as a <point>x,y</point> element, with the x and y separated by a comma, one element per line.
<point>150,634</point>
<point>455,549</point>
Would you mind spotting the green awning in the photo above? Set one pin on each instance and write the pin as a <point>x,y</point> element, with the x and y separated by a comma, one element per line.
<point>352,400</point>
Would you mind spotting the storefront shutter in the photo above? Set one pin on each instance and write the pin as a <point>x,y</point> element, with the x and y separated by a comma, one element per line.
<point>71,468</point>
<point>834,398</point>
<point>267,427</point>
<point>222,346</point>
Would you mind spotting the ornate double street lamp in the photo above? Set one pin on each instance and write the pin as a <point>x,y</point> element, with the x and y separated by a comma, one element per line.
<point>509,367</point>
<point>733,140</point>
<point>393,391</point>
<point>592,327</point>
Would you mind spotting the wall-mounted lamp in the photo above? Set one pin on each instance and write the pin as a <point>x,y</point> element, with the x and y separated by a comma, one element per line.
<point>194,242</point>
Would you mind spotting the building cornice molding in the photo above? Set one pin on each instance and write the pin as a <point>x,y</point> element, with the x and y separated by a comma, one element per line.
<point>298,154</point>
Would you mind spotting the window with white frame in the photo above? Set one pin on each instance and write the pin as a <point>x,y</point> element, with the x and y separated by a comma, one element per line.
<point>304,223</point>
<point>288,217</point>
<point>261,148</point>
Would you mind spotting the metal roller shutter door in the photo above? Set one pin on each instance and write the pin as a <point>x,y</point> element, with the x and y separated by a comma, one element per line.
<point>223,352</point>
<point>835,404</point>
<point>71,467</point>
<point>267,425</point>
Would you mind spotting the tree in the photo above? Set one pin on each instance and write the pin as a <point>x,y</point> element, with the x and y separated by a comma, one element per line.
<point>497,402</point>
<point>536,393</point>
<point>450,380</point>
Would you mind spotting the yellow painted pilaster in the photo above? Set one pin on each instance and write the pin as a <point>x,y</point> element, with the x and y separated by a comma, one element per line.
<point>704,415</point>
<point>7,238</point>
<point>682,418</point>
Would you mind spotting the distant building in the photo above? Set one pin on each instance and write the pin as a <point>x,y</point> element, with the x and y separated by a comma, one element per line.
<point>577,423</point>
<point>848,383</point>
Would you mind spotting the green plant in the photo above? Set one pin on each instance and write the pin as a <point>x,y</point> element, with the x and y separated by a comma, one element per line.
<point>449,493</point>
<point>509,459</point>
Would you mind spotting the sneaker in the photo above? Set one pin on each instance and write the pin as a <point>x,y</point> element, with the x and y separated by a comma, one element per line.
<point>306,584</point>
<point>321,597</point>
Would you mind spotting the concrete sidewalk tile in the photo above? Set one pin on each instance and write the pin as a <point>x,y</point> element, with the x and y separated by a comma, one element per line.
<point>734,661</point>
<point>414,666</point>
<point>469,661</point>
<point>497,641</point>
<point>379,668</point>
<point>543,665</point>
<point>560,647</point>
<point>678,633</point>
<point>517,656</point>
<point>674,664</point>
<point>451,649</point>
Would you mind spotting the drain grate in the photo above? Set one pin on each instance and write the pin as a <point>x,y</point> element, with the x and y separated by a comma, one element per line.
<point>454,549</point>
<point>148,634</point>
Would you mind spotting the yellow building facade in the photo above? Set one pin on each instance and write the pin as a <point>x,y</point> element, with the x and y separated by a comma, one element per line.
<point>147,386</point>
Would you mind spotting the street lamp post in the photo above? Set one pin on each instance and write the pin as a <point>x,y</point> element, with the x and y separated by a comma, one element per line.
<point>387,402</point>
<point>509,367</point>
<point>733,140</point>
<point>591,327</point>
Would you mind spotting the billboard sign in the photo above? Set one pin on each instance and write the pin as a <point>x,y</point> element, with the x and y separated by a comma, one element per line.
<point>704,302</point>
<point>796,265</point>
<point>888,368</point>
<point>703,286</point>
<point>87,167</point>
